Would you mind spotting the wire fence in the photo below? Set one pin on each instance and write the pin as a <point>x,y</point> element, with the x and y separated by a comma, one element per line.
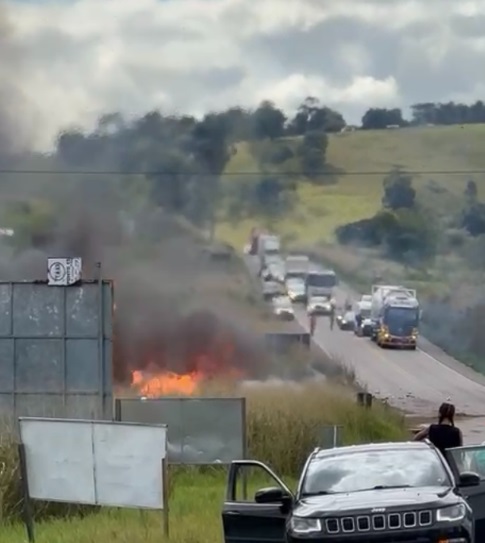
<point>236,173</point>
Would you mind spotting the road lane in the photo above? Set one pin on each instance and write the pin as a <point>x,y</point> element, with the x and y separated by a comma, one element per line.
<point>414,381</point>
<point>410,380</point>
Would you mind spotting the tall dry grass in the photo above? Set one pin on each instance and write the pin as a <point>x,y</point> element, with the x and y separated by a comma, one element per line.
<point>284,424</point>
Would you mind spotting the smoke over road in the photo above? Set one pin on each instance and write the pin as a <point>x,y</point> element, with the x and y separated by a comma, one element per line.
<point>17,118</point>
<point>176,310</point>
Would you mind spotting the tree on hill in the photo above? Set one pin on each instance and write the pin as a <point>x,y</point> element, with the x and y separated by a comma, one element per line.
<point>312,153</point>
<point>379,118</point>
<point>270,197</point>
<point>448,113</point>
<point>398,190</point>
<point>311,116</point>
<point>182,157</point>
<point>401,229</point>
<point>268,122</point>
<point>472,217</point>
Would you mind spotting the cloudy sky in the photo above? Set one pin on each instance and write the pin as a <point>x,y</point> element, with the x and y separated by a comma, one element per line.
<point>67,61</point>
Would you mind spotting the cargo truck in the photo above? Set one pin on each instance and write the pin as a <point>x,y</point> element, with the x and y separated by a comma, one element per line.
<point>395,315</point>
<point>320,282</point>
<point>296,266</point>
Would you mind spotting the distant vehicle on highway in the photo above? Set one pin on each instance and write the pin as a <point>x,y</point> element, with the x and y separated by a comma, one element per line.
<point>274,259</point>
<point>277,270</point>
<point>363,321</point>
<point>268,245</point>
<point>395,315</point>
<point>262,243</point>
<point>400,492</point>
<point>266,274</point>
<point>295,288</point>
<point>366,298</point>
<point>346,321</point>
<point>320,282</point>
<point>319,305</point>
<point>272,289</point>
<point>297,266</point>
<point>283,308</point>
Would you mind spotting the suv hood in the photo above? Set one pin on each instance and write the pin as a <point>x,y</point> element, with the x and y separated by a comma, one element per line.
<point>388,498</point>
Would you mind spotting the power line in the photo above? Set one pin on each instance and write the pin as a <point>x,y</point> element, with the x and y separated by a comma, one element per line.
<point>237,174</point>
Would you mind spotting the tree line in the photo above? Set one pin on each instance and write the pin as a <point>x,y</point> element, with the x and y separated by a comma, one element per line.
<point>427,113</point>
<point>178,161</point>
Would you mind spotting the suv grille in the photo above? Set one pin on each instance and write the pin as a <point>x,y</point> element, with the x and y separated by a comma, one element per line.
<point>378,523</point>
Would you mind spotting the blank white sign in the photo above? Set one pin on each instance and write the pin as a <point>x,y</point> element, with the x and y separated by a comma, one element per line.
<point>92,462</point>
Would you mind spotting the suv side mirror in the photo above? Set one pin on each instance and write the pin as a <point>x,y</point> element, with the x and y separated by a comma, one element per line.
<point>469,478</point>
<point>271,495</point>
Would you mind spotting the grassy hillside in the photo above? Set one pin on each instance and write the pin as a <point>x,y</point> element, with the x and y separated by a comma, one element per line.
<point>323,207</point>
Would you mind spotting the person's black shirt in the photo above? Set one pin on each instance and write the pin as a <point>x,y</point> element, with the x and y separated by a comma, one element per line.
<point>444,436</point>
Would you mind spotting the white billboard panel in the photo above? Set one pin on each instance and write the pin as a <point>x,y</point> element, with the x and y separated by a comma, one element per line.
<point>95,462</point>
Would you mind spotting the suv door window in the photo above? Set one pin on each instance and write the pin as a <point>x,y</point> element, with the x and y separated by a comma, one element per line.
<point>465,460</point>
<point>245,519</point>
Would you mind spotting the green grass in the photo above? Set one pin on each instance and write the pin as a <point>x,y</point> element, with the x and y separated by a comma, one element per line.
<point>284,423</point>
<point>194,516</point>
<point>322,208</point>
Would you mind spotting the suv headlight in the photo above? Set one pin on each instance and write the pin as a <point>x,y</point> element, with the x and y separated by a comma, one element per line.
<point>301,525</point>
<point>452,513</point>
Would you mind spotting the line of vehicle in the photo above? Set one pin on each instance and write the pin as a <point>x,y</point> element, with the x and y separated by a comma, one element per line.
<point>456,366</point>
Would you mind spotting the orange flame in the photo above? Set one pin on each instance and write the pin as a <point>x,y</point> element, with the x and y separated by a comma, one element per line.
<point>166,383</point>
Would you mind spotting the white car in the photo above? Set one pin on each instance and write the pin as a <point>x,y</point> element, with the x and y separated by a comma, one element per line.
<point>296,290</point>
<point>283,308</point>
<point>277,272</point>
<point>319,305</point>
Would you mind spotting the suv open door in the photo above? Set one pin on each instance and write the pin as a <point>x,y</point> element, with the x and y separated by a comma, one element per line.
<point>261,518</point>
<point>466,460</point>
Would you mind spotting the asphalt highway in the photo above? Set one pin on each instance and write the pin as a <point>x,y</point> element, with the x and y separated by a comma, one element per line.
<point>414,381</point>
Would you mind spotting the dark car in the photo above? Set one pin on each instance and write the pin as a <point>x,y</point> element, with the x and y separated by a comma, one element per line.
<point>374,493</point>
<point>346,321</point>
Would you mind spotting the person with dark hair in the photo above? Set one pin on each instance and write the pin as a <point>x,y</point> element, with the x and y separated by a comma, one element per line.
<point>444,435</point>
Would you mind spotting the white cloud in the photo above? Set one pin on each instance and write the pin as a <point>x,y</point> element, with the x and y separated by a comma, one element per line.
<point>80,59</point>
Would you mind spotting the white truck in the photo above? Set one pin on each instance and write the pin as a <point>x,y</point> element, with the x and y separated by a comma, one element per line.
<point>296,266</point>
<point>395,315</point>
<point>320,282</point>
<point>268,244</point>
<point>267,248</point>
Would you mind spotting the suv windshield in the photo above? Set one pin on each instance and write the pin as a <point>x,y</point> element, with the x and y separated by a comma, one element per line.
<point>365,470</point>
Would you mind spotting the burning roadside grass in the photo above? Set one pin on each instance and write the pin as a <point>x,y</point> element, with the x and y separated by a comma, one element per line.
<point>176,354</point>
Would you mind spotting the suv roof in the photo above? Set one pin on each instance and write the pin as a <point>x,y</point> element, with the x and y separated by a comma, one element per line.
<point>322,453</point>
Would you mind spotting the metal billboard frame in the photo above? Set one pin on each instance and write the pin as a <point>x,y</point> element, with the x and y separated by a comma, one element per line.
<point>104,395</point>
<point>243,402</point>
